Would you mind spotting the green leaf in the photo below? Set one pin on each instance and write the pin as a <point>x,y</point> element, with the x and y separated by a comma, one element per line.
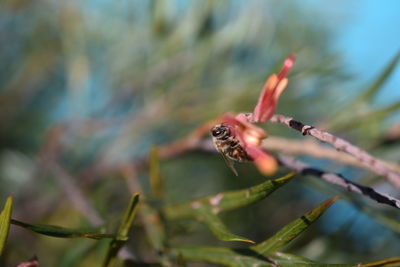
<point>129,216</point>
<point>155,177</point>
<point>292,230</point>
<point>387,262</point>
<point>349,114</point>
<point>62,232</point>
<point>153,226</point>
<point>5,218</point>
<point>280,256</point>
<point>123,230</point>
<point>219,255</point>
<point>76,252</point>
<point>245,257</point>
<point>227,200</point>
<point>217,227</point>
<point>369,118</point>
<point>380,80</point>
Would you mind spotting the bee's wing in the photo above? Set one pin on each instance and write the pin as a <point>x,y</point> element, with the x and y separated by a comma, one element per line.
<point>229,163</point>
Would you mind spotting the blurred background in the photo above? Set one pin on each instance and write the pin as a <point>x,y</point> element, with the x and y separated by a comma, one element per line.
<point>87,87</point>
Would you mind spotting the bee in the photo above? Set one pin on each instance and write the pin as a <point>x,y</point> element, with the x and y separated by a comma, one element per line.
<point>228,145</point>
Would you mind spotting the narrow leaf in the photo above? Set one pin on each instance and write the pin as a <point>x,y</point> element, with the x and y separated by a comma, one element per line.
<point>155,177</point>
<point>219,255</point>
<point>5,218</point>
<point>280,256</point>
<point>292,230</point>
<point>62,232</point>
<point>123,230</point>
<point>180,261</point>
<point>245,257</point>
<point>227,200</point>
<point>380,80</point>
<point>343,117</point>
<point>387,262</point>
<point>129,216</point>
<point>371,117</point>
<point>217,227</point>
<point>76,252</point>
<point>153,226</point>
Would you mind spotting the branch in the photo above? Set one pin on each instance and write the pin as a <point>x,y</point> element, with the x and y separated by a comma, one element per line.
<point>312,148</point>
<point>378,166</point>
<point>338,180</point>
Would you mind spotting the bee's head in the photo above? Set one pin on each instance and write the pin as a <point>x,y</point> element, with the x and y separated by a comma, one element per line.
<point>219,130</point>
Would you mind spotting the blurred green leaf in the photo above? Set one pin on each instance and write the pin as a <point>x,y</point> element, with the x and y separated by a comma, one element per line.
<point>281,257</point>
<point>217,227</point>
<point>180,261</point>
<point>154,227</point>
<point>344,118</point>
<point>245,257</point>
<point>380,80</point>
<point>5,218</point>
<point>123,230</point>
<point>155,177</point>
<point>292,230</point>
<point>219,255</point>
<point>57,231</point>
<point>227,200</point>
<point>388,262</point>
<point>77,251</point>
<point>129,216</point>
<point>371,118</point>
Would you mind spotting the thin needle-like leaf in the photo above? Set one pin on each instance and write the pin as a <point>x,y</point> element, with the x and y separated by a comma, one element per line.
<point>129,216</point>
<point>386,262</point>
<point>343,117</point>
<point>5,218</point>
<point>292,230</point>
<point>380,80</point>
<point>218,228</point>
<point>227,200</point>
<point>123,230</point>
<point>153,225</point>
<point>155,176</point>
<point>62,232</point>
<point>219,255</point>
<point>245,257</point>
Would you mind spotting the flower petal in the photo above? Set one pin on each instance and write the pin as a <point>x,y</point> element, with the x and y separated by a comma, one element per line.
<point>272,89</point>
<point>264,162</point>
<point>287,65</point>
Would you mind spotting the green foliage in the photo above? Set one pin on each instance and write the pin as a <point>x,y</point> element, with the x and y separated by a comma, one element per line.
<point>369,93</point>
<point>123,230</point>
<point>217,227</point>
<point>358,112</point>
<point>292,230</point>
<point>264,253</point>
<point>267,252</point>
<point>62,232</point>
<point>100,87</point>
<point>227,200</point>
<point>5,219</point>
<point>205,209</point>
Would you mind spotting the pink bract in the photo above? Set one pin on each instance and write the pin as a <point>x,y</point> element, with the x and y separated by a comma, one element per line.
<point>251,136</point>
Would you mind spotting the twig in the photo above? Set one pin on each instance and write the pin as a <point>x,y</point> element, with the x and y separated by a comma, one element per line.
<point>378,166</point>
<point>338,180</point>
<point>312,148</point>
